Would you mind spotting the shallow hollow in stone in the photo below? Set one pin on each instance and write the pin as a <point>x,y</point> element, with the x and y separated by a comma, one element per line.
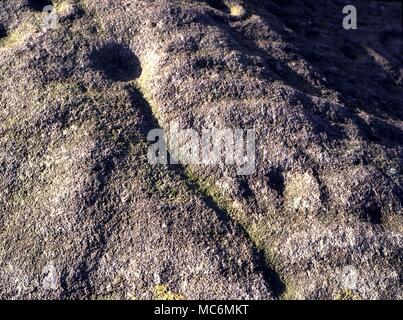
<point>373,214</point>
<point>116,61</point>
<point>38,5</point>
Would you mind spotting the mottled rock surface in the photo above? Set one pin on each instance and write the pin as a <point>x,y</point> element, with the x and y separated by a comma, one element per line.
<point>84,215</point>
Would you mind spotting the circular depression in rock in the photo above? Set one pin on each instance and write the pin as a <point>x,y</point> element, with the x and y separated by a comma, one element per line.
<point>116,61</point>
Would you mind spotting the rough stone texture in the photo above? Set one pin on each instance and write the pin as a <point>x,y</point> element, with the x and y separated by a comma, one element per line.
<point>83,214</point>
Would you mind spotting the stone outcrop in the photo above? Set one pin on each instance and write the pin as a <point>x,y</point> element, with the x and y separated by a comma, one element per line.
<point>84,215</point>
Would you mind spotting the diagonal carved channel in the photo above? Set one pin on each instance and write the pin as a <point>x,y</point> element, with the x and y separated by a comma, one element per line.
<point>271,277</point>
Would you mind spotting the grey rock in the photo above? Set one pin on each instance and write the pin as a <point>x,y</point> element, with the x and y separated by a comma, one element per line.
<point>83,215</point>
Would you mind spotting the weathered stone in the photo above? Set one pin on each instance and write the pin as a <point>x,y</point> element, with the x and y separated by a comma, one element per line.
<point>84,215</point>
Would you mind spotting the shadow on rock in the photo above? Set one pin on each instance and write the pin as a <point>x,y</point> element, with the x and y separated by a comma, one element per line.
<point>116,61</point>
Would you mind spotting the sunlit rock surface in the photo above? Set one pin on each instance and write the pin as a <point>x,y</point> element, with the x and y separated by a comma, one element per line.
<point>84,215</point>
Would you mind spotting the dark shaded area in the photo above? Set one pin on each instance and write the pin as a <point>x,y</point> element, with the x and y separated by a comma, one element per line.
<point>275,180</point>
<point>116,61</point>
<point>380,131</point>
<point>244,189</point>
<point>393,43</point>
<point>217,4</point>
<point>274,69</point>
<point>3,31</point>
<point>38,5</point>
<point>373,214</point>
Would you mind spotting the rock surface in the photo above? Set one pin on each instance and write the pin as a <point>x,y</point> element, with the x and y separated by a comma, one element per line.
<point>83,214</point>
